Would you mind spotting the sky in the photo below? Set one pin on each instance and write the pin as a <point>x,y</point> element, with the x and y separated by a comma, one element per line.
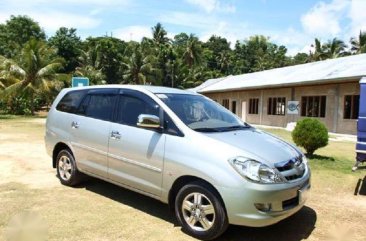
<point>293,23</point>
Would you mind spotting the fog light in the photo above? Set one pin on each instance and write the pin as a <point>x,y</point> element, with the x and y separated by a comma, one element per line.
<point>263,207</point>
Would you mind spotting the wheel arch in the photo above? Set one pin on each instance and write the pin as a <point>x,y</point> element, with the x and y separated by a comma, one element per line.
<point>184,180</point>
<point>59,147</point>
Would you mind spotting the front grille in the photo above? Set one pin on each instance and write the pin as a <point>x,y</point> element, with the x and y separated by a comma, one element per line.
<point>291,169</point>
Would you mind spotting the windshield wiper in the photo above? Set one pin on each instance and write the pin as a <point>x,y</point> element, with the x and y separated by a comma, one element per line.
<point>237,127</point>
<point>206,129</point>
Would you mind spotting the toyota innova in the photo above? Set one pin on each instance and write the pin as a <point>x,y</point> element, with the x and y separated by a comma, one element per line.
<point>181,148</point>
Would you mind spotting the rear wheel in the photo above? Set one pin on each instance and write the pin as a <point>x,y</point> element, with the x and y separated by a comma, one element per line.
<point>200,211</point>
<point>66,168</point>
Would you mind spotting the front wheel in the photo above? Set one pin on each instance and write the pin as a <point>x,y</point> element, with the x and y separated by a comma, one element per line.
<point>200,211</point>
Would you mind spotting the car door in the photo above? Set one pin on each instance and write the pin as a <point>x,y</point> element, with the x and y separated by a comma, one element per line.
<point>136,154</point>
<point>90,131</point>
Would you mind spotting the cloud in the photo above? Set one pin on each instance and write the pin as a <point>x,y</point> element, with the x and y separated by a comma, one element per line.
<point>210,6</point>
<point>192,20</point>
<point>324,19</point>
<point>135,33</point>
<point>53,20</point>
<point>357,16</point>
<point>51,15</point>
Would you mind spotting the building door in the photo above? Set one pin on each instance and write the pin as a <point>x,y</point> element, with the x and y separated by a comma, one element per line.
<point>244,111</point>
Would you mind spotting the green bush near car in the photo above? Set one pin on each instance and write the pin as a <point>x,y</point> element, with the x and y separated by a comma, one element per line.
<point>310,134</point>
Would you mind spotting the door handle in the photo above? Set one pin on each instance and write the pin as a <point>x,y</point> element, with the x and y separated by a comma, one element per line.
<point>115,135</point>
<point>75,124</point>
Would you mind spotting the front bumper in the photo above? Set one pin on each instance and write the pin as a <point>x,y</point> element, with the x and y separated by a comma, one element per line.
<point>284,199</point>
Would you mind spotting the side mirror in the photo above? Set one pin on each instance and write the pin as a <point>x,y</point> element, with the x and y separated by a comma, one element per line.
<point>148,121</point>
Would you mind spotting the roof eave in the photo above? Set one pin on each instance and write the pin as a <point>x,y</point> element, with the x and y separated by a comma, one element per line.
<point>308,82</point>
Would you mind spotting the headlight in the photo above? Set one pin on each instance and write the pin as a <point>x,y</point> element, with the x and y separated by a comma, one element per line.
<point>255,171</point>
<point>304,159</point>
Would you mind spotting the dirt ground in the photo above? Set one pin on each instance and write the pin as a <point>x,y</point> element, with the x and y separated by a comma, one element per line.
<point>32,200</point>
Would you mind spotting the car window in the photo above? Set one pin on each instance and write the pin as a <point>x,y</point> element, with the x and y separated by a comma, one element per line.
<point>202,114</point>
<point>99,106</point>
<point>129,108</point>
<point>71,101</point>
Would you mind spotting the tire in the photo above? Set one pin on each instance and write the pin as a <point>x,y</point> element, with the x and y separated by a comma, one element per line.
<point>66,168</point>
<point>203,215</point>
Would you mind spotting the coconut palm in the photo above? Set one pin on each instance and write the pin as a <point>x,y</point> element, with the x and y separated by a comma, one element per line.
<point>34,72</point>
<point>159,35</point>
<point>224,61</point>
<point>335,48</point>
<point>138,67</point>
<point>318,53</point>
<point>192,54</point>
<point>359,44</point>
<point>89,66</point>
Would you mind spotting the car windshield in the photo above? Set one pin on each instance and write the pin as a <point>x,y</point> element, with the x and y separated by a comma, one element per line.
<point>202,114</point>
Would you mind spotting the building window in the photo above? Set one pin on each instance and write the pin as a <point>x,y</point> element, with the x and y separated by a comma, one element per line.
<point>313,106</point>
<point>233,106</point>
<point>351,106</point>
<point>276,105</point>
<point>225,103</point>
<point>253,106</point>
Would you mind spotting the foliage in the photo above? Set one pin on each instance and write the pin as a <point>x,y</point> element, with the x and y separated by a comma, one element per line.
<point>334,48</point>
<point>183,61</point>
<point>68,46</point>
<point>310,134</point>
<point>138,67</point>
<point>359,44</point>
<point>109,54</point>
<point>16,32</point>
<point>34,71</point>
<point>20,105</point>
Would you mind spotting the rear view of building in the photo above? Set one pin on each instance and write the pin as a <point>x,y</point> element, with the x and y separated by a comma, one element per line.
<point>327,90</point>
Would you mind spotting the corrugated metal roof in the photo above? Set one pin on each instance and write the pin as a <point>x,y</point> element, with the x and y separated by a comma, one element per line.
<point>325,71</point>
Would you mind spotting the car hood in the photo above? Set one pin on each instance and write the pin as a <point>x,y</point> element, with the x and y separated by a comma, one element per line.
<point>258,143</point>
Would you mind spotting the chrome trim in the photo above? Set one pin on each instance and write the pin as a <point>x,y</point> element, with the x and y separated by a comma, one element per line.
<point>156,169</point>
<point>89,148</point>
<point>148,121</point>
<point>361,142</point>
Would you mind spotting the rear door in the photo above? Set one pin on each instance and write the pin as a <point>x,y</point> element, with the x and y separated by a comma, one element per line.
<point>90,130</point>
<point>136,154</point>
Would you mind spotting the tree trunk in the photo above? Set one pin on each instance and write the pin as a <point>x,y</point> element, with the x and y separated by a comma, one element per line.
<point>32,103</point>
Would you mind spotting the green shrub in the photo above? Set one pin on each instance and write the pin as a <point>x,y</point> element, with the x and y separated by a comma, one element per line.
<point>20,105</point>
<point>310,134</point>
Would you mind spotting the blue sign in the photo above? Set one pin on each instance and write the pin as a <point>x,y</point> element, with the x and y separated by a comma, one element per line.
<point>79,81</point>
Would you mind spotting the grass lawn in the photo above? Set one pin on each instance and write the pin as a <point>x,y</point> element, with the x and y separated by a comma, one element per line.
<point>97,210</point>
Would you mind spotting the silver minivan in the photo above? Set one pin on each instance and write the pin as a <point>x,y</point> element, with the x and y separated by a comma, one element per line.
<point>178,147</point>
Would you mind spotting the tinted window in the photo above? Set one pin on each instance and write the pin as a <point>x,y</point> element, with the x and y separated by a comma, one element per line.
<point>70,102</point>
<point>200,113</point>
<point>100,106</point>
<point>130,108</point>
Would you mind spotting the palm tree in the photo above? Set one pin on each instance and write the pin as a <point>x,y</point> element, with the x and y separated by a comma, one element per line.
<point>159,35</point>
<point>335,48</point>
<point>89,62</point>
<point>359,45</point>
<point>192,54</point>
<point>34,72</point>
<point>138,67</point>
<point>224,61</point>
<point>318,53</point>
